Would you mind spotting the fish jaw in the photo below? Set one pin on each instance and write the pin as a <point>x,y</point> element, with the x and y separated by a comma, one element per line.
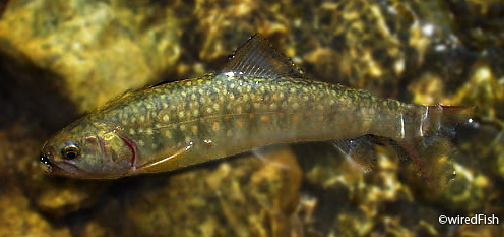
<point>62,168</point>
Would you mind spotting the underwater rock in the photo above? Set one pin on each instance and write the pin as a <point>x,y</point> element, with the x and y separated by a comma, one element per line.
<point>242,197</point>
<point>98,49</point>
<point>20,219</point>
<point>65,57</point>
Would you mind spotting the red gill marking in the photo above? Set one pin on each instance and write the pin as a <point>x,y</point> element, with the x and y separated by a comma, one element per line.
<point>133,151</point>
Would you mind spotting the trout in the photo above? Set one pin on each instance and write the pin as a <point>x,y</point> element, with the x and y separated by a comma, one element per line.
<point>259,98</point>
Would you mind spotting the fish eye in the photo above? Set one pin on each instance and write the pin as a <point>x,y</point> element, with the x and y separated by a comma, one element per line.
<point>70,152</point>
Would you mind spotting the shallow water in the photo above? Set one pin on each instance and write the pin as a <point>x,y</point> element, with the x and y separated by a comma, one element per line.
<point>59,59</point>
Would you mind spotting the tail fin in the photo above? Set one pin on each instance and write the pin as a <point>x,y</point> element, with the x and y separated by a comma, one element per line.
<point>428,155</point>
<point>432,153</point>
<point>431,158</point>
<point>445,119</point>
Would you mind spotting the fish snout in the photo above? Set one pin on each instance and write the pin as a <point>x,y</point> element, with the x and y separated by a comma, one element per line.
<point>45,158</point>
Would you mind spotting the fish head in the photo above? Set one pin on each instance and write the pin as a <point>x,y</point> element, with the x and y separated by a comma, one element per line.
<point>89,150</point>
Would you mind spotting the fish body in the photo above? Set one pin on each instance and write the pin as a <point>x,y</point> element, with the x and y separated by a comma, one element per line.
<point>260,98</point>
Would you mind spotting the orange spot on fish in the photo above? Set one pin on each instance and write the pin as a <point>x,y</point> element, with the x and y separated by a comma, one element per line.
<point>281,115</point>
<point>264,118</point>
<point>295,118</point>
<point>251,115</point>
<point>239,123</point>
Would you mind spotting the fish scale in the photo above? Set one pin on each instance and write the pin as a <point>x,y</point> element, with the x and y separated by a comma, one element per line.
<point>260,98</point>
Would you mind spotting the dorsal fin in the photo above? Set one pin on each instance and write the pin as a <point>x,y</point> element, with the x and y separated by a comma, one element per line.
<point>257,58</point>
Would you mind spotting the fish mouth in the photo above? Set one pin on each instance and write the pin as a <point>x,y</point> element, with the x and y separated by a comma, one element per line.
<point>67,169</point>
<point>45,160</point>
<point>60,168</point>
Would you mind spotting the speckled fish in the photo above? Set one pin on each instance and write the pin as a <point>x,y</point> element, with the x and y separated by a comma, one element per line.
<point>259,98</point>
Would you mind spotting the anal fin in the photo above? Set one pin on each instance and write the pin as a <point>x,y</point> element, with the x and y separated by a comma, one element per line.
<point>359,151</point>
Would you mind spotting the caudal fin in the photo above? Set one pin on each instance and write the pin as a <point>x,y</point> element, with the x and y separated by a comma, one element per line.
<point>431,158</point>
<point>443,120</point>
<point>432,152</point>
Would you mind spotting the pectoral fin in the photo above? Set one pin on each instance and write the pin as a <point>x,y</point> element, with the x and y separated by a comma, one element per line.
<point>169,162</point>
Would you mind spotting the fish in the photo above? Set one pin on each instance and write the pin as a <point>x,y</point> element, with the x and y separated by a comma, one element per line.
<point>259,98</point>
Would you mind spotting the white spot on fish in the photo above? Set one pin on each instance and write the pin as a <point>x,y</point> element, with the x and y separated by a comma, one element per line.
<point>166,118</point>
<point>215,126</point>
<point>282,95</point>
<point>189,146</point>
<point>403,132</point>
